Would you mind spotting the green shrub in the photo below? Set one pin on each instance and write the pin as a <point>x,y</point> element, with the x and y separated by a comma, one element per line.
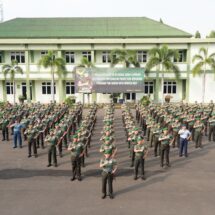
<point>70,101</point>
<point>145,100</point>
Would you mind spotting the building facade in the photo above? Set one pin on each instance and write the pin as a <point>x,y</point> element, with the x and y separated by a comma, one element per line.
<point>27,40</point>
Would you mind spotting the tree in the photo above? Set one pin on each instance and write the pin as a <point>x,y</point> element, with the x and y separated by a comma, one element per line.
<point>12,69</point>
<point>86,63</point>
<point>211,35</point>
<point>125,57</point>
<point>163,57</point>
<point>56,65</point>
<point>204,60</point>
<point>197,34</point>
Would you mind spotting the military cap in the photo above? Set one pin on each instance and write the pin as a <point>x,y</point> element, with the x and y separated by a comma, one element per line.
<point>165,129</point>
<point>75,136</point>
<point>139,138</point>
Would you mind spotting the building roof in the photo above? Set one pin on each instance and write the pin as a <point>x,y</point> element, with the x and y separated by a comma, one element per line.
<point>112,27</point>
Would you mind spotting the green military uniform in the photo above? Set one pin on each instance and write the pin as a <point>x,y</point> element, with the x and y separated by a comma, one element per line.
<point>77,149</point>
<point>165,148</point>
<point>139,158</point>
<point>198,134</point>
<point>31,133</point>
<point>156,133</point>
<point>211,122</point>
<point>108,165</point>
<point>5,132</point>
<point>52,142</point>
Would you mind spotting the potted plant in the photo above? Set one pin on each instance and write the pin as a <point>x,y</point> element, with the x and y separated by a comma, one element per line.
<point>145,100</point>
<point>70,101</point>
<point>168,98</point>
<point>21,99</point>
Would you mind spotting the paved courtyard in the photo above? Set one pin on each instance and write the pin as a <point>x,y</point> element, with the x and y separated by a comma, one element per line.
<point>28,187</point>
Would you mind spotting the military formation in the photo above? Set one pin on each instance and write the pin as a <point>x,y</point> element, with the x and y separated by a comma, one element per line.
<point>161,126</point>
<point>155,128</point>
<point>108,149</point>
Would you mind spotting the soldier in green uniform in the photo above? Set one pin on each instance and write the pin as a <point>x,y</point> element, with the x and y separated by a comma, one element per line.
<point>141,151</point>
<point>5,133</point>
<point>59,135</point>
<point>175,129</point>
<point>133,139</point>
<point>109,167</point>
<point>156,141</point>
<point>77,151</point>
<point>31,134</point>
<point>204,120</point>
<point>166,141</point>
<point>211,122</point>
<point>108,147</point>
<point>51,141</point>
<point>190,122</point>
<point>199,130</point>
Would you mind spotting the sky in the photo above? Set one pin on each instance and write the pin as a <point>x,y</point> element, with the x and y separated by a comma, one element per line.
<point>188,15</point>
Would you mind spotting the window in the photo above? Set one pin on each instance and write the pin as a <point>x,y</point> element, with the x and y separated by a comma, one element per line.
<point>87,55</point>
<point>170,87</point>
<point>9,88</point>
<point>18,56</point>
<point>46,88</point>
<point>70,88</point>
<point>149,87</point>
<point>142,56</point>
<point>43,53</point>
<point>130,96</point>
<point>106,57</point>
<point>182,56</point>
<point>70,57</point>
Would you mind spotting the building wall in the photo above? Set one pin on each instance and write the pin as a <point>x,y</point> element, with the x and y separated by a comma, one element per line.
<point>97,46</point>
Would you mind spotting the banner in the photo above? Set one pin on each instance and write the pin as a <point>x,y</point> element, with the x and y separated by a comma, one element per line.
<point>110,80</point>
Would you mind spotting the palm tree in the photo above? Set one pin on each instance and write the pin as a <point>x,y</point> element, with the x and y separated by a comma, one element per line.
<point>12,69</point>
<point>125,57</point>
<point>86,63</point>
<point>204,60</point>
<point>163,57</point>
<point>56,65</point>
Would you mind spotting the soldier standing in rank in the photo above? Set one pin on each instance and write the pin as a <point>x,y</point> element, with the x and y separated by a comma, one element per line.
<point>109,167</point>
<point>156,142</point>
<point>211,122</point>
<point>133,139</point>
<point>31,133</point>
<point>77,151</point>
<point>166,141</point>
<point>141,152</point>
<point>51,142</point>
<point>59,134</point>
<point>175,129</point>
<point>199,130</point>
<point>5,132</point>
<point>108,147</point>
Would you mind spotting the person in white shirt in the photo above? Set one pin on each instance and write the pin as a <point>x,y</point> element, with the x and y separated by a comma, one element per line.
<point>184,137</point>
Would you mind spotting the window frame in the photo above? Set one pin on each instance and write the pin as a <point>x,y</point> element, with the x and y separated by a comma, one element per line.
<point>18,56</point>
<point>142,56</point>
<point>88,55</point>
<point>9,88</point>
<point>182,56</point>
<point>170,87</point>
<point>70,55</point>
<point>148,87</point>
<point>70,88</point>
<point>106,57</point>
<point>46,88</point>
